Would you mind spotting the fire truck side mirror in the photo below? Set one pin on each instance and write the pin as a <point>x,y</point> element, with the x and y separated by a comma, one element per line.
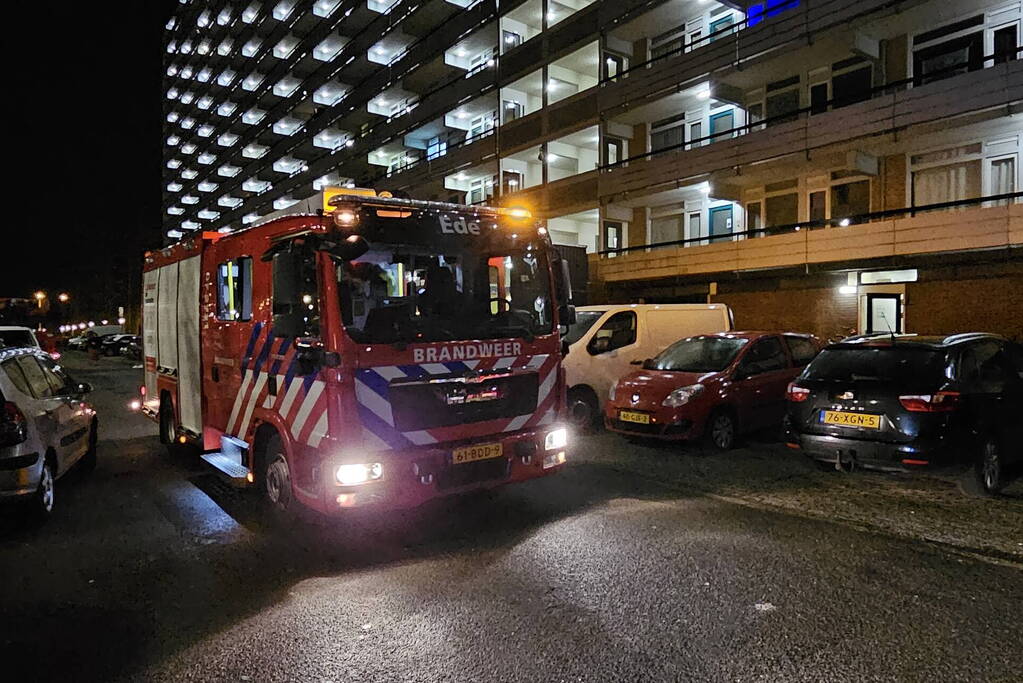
<point>288,312</point>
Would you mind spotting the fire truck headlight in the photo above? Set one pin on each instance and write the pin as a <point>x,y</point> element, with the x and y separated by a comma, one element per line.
<point>555,439</point>
<point>350,475</point>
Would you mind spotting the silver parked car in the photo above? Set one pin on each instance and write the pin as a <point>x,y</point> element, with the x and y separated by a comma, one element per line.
<point>45,427</point>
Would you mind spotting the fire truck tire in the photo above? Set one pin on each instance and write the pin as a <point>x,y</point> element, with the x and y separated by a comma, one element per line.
<point>167,428</point>
<point>276,478</point>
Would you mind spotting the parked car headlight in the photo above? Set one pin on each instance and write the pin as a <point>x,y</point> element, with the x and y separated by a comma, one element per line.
<point>683,395</point>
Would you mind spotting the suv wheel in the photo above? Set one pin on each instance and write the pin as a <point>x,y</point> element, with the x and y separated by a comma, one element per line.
<point>990,467</point>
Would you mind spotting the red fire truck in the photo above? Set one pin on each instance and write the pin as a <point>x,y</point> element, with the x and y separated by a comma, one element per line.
<point>382,352</point>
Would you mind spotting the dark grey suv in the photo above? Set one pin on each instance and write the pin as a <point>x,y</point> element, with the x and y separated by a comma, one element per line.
<point>901,402</point>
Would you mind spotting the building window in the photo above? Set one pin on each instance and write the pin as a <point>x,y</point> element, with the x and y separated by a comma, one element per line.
<point>782,103</point>
<point>613,149</point>
<point>667,134</point>
<point>511,182</point>
<point>510,39</point>
<point>481,125</point>
<point>946,51</point>
<point>719,28</point>
<point>234,290</point>
<point>850,199</point>
<point>947,175</point>
<point>512,110</point>
<point>666,229</point>
<point>436,147</point>
<point>613,64</point>
<point>612,236</point>
<point>852,86</point>
<point>781,210</point>
<point>480,190</point>
<point>1005,45</point>
<point>722,125</point>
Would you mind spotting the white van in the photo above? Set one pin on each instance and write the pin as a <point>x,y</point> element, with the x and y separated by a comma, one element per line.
<point>606,340</point>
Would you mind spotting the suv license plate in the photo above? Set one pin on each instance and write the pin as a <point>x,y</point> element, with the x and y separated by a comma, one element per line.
<point>480,451</point>
<point>842,419</point>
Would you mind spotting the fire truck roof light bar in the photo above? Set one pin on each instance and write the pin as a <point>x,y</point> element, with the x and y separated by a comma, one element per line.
<point>395,202</point>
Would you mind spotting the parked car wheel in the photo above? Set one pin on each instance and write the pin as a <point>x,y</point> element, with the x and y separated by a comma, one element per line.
<point>43,498</point>
<point>990,467</point>
<point>721,430</point>
<point>88,461</point>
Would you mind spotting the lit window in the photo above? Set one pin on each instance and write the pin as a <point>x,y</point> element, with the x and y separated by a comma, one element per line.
<point>172,70</point>
<point>286,86</point>
<point>172,94</point>
<point>285,47</point>
<point>204,19</point>
<point>253,116</point>
<point>254,151</point>
<point>250,13</point>
<point>188,148</point>
<point>204,75</point>
<point>172,117</point>
<point>226,77</point>
<point>224,48</point>
<point>229,202</point>
<point>205,102</point>
<point>252,81</point>
<point>324,8</point>
<point>189,225</point>
<point>188,173</point>
<point>174,187</point>
<point>189,199</point>
<point>249,218</point>
<point>173,140</point>
<point>187,123</point>
<point>205,130</point>
<point>174,163</point>
<point>283,9</point>
<point>228,171</point>
<point>204,47</point>
<point>227,139</point>
<point>250,48</point>
<point>227,108</point>
<point>186,47</point>
<point>187,97</point>
<point>208,215</point>
<point>175,210</point>
<point>224,17</point>
<point>186,72</point>
<point>207,158</point>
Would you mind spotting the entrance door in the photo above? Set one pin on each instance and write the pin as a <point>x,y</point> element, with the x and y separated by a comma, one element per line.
<point>884,313</point>
<point>720,223</point>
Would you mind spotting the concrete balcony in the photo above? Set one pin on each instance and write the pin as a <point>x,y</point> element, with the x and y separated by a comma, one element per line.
<point>969,229</point>
<point>990,93</point>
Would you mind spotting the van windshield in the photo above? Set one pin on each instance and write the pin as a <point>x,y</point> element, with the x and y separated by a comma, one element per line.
<point>698,354</point>
<point>420,283</point>
<point>584,320</point>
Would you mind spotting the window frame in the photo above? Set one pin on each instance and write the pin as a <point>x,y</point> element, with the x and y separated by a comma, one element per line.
<point>244,287</point>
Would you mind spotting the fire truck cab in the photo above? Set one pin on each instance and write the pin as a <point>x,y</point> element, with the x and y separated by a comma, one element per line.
<point>381,352</point>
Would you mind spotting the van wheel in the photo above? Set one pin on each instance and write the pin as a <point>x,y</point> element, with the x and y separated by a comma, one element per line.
<point>990,467</point>
<point>720,433</point>
<point>582,409</point>
<point>43,498</point>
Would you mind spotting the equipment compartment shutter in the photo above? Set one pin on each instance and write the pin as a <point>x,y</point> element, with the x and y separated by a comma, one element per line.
<point>150,291</point>
<point>189,367</point>
<point>167,313</point>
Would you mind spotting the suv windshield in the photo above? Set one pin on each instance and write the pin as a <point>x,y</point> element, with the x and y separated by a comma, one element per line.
<point>698,354</point>
<point>584,320</point>
<point>902,365</point>
<point>12,338</point>
<point>445,278</point>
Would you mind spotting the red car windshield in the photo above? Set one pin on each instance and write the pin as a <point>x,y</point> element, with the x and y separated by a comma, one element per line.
<point>698,354</point>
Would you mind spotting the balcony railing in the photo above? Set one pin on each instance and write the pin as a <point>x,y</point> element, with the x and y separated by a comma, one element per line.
<point>842,223</point>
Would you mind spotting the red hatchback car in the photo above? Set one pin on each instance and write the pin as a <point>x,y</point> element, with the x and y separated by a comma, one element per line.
<point>715,386</point>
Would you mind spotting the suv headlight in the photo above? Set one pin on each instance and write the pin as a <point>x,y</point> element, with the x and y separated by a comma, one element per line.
<point>555,439</point>
<point>683,395</point>
<point>350,475</point>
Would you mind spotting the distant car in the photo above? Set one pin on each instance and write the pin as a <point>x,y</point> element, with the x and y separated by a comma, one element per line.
<point>132,348</point>
<point>714,386</point>
<point>79,343</point>
<point>45,427</point>
<point>112,344</point>
<point>903,402</point>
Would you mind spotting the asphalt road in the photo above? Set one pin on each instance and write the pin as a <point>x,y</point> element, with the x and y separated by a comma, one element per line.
<point>634,564</point>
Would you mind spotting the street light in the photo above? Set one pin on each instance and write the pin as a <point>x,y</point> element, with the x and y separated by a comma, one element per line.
<point>40,298</point>
<point>63,297</point>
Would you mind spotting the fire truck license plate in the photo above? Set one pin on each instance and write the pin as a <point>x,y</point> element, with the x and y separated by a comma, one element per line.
<point>834,417</point>
<point>480,451</point>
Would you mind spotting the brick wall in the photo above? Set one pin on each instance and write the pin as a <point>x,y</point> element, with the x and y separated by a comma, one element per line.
<point>992,304</point>
<point>821,310</point>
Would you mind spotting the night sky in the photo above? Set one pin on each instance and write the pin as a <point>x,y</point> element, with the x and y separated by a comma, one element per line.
<point>86,161</point>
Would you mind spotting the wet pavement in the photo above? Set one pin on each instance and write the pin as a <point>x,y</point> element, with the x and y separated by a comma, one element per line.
<point>637,563</point>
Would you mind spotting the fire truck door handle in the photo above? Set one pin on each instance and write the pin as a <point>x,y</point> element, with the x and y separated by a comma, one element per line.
<point>215,373</point>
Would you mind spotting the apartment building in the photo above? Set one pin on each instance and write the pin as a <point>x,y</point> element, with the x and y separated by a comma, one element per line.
<point>823,165</point>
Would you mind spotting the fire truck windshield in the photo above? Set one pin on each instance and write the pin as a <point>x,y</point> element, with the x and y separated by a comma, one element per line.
<point>424,283</point>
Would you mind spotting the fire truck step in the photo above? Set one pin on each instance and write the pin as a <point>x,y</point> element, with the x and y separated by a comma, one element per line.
<point>236,473</point>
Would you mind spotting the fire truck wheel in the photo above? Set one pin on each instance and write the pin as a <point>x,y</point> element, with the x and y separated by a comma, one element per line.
<point>277,477</point>
<point>167,430</point>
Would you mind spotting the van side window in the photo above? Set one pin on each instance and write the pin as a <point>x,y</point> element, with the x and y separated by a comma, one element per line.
<point>765,356</point>
<point>801,349</point>
<point>619,330</point>
<point>234,290</point>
